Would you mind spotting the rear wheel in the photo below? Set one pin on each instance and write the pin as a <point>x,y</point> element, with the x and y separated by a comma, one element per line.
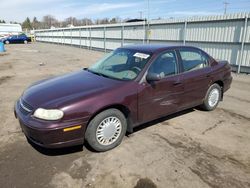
<point>7,42</point>
<point>106,130</point>
<point>25,42</point>
<point>212,98</point>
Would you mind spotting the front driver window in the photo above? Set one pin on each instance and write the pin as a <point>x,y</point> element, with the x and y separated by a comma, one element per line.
<point>165,64</point>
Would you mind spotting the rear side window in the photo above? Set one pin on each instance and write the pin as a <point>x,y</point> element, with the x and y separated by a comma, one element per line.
<point>165,64</point>
<point>193,59</point>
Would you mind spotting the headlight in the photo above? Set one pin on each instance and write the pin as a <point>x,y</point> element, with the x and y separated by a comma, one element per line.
<point>48,114</point>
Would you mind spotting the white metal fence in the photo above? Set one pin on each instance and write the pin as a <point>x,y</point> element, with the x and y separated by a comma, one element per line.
<point>224,37</point>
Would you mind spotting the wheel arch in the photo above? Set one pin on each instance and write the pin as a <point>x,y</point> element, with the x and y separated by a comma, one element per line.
<point>221,84</point>
<point>125,110</point>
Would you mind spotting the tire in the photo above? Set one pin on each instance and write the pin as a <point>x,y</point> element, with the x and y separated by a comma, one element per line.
<point>25,42</point>
<point>7,42</point>
<point>103,138</point>
<point>212,98</point>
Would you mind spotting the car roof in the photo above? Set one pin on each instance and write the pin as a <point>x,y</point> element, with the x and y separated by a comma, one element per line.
<point>152,48</point>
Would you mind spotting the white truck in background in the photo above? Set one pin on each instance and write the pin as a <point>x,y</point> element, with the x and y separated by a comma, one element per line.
<point>7,29</point>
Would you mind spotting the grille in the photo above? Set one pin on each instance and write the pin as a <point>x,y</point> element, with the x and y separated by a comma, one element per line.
<point>24,107</point>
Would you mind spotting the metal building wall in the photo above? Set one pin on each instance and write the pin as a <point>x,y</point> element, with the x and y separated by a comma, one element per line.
<point>224,37</point>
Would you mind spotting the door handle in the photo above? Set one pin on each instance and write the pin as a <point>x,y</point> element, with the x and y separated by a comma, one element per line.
<point>176,83</point>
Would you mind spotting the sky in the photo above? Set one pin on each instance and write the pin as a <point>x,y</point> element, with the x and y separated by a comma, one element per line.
<point>18,10</point>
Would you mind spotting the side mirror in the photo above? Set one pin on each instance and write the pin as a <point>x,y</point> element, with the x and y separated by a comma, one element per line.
<point>153,77</point>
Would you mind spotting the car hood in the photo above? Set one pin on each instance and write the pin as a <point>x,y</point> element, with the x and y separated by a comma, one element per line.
<point>55,92</point>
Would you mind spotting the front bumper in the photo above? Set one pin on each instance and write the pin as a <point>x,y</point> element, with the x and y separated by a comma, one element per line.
<point>50,134</point>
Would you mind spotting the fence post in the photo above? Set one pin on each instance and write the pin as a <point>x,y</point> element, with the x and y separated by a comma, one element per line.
<point>148,32</point>
<point>122,35</point>
<point>51,36</point>
<point>104,39</point>
<point>242,44</point>
<point>144,29</point>
<point>185,33</point>
<point>80,37</point>
<point>61,37</point>
<point>71,37</point>
<point>57,36</point>
<point>90,45</point>
<point>87,38</point>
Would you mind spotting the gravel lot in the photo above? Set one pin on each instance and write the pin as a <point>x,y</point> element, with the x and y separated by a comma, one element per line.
<point>189,149</point>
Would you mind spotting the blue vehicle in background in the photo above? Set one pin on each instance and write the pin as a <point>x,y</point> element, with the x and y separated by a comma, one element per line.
<point>21,38</point>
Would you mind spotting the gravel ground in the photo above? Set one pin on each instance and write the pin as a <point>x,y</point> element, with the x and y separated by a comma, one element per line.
<point>189,149</point>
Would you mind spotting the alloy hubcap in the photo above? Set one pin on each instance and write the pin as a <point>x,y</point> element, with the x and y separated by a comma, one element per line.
<point>108,131</point>
<point>213,97</point>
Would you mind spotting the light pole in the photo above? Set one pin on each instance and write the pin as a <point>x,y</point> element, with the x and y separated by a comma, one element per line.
<point>148,30</point>
<point>225,7</point>
<point>140,12</point>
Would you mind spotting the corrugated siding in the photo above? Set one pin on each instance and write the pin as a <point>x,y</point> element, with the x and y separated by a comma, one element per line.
<point>167,32</point>
<point>246,56</point>
<point>215,31</point>
<point>133,32</point>
<point>221,36</point>
<point>114,32</point>
<point>113,44</point>
<point>98,33</point>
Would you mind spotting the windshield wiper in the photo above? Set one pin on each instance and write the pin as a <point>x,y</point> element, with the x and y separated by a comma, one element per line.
<point>103,75</point>
<point>99,74</point>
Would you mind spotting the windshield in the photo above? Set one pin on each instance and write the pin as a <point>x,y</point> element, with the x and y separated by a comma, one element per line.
<point>122,64</point>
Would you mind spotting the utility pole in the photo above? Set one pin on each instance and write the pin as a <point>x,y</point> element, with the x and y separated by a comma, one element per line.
<point>148,23</point>
<point>148,10</point>
<point>225,7</point>
<point>140,12</point>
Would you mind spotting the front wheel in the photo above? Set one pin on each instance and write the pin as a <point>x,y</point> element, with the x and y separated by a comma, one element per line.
<point>25,42</point>
<point>106,130</point>
<point>7,42</point>
<point>212,98</point>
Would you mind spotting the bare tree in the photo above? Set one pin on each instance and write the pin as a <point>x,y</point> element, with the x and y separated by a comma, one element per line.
<point>71,21</point>
<point>86,21</point>
<point>49,21</point>
<point>115,20</point>
<point>35,23</point>
<point>102,21</point>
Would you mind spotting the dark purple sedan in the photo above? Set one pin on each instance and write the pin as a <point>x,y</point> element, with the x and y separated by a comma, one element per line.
<point>128,87</point>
